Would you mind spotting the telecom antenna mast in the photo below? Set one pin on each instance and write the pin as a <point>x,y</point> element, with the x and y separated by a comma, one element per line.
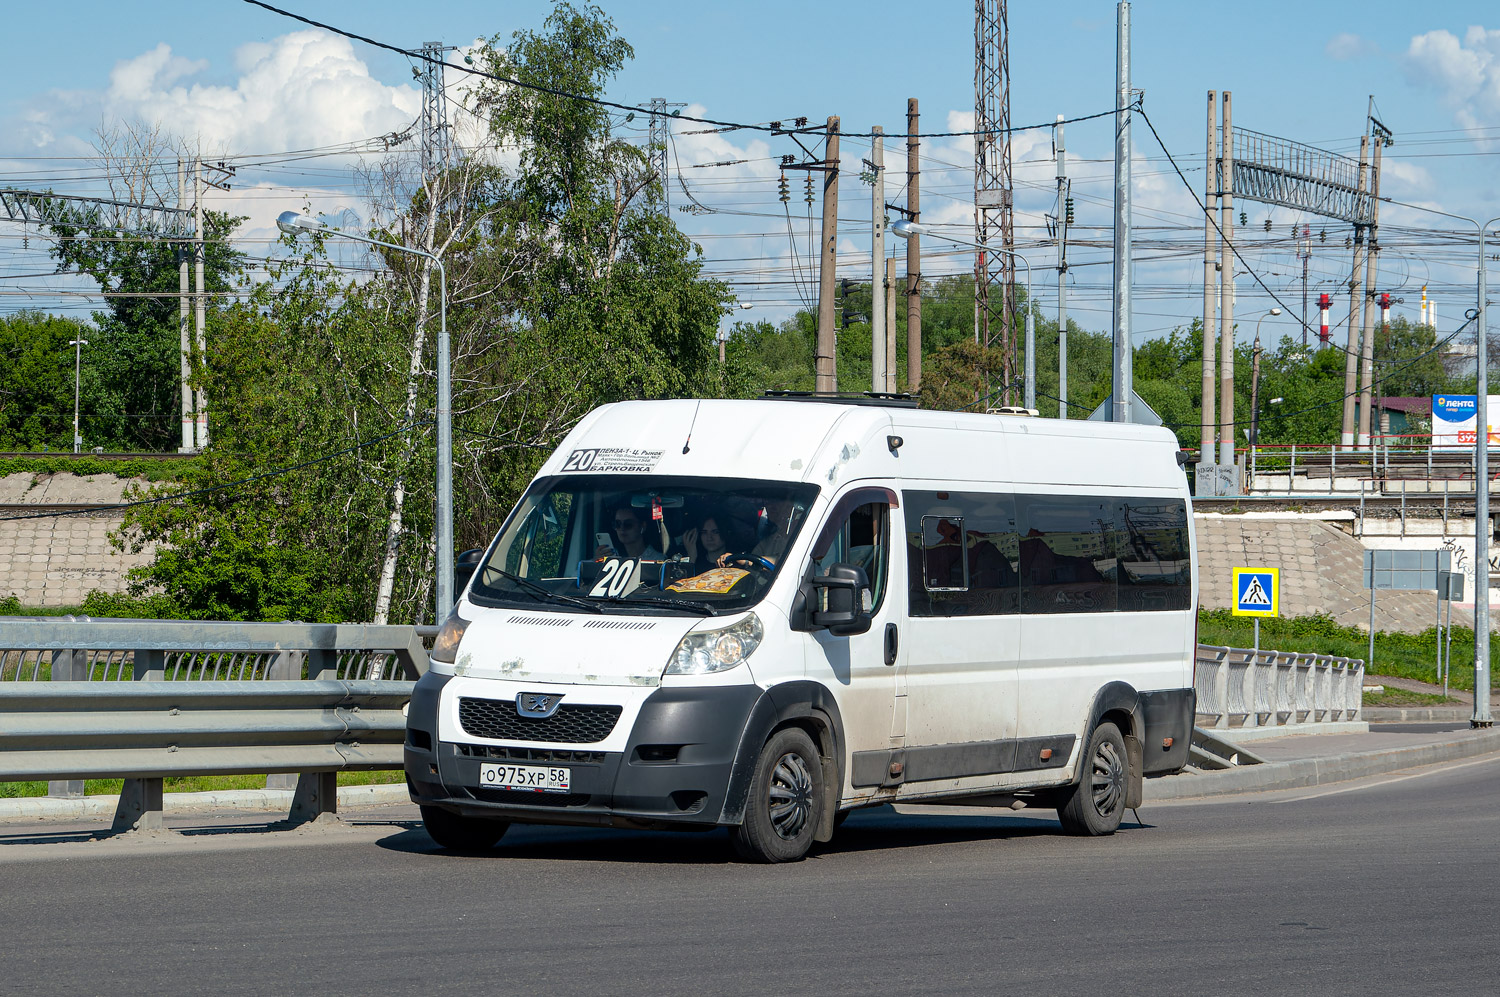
<point>657,137</point>
<point>993,221</point>
<point>437,135</point>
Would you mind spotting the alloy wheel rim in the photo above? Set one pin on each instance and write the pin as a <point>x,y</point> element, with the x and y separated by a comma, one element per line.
<point>1108,782</point>
<point>791,795</point>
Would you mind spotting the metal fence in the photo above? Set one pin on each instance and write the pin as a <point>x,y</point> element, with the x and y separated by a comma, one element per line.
<point>1239,687</point>
<point>154,698</point>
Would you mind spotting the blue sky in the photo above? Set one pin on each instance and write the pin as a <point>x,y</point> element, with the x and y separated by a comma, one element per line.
<point>1300,70</point>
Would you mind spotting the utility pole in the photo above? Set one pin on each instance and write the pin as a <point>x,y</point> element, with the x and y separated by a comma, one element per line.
<point>1123,379</point>
<point>1380,138</point>
<point>890,325</point>
<point>824,360</point>
<point>182,321</point>
<point>1226,286</point>
<point>913,254</point>
<point>1206,455</point>
<point>1356,297</point>
<point>200,309</point>
<point>877,260</point>
<point>1255,393</point>
<point>1064,216</point>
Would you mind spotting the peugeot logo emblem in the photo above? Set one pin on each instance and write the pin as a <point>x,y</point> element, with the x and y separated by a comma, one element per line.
<point>538,705</point>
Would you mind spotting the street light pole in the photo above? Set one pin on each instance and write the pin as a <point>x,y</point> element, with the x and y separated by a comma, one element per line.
<point>294,223</point>
<point>1481,717</point>
<point>78,345</point>
<point>905,228</point>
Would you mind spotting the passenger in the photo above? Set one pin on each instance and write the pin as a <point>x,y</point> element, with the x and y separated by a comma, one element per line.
<point>704,544</point>
<point>630,539</point>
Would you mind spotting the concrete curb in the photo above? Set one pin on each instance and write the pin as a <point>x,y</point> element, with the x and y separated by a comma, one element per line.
<point>45,807</point>
<point>1416,714</point>
<point>1301,773</point>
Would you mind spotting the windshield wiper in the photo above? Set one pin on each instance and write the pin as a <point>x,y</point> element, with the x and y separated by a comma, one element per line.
<point>696,607</point>
<point>543,592</point>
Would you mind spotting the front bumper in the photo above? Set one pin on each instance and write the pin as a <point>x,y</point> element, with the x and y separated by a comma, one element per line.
<point>674,770</point>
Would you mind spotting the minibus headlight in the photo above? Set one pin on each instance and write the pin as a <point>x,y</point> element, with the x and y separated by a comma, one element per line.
<point>716,650</point>
<point>445,644</point>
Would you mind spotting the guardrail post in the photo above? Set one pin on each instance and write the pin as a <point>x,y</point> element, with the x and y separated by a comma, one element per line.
<point>1221,683</point>
<point>140,806</point>
<point>317,794</point>
<point>286,668</point>
<point>68,666</point>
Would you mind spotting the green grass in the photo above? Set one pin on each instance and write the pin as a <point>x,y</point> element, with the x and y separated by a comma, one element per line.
<point>149,468</point>
<point>1412,656</point>
<point>194,784</point>
<point>1406,697</point>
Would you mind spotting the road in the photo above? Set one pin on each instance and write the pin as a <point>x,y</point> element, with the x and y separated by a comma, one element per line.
<point>1385,886</point>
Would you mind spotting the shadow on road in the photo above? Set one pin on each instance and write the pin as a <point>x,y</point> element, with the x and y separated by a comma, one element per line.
<point>877,829</point>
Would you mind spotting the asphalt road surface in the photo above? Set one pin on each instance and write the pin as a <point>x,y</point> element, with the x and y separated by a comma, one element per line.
<point>1385,886</point>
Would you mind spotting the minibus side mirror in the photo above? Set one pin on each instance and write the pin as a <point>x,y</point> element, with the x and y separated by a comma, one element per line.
<point>840,598</point>
<point>464,568</point>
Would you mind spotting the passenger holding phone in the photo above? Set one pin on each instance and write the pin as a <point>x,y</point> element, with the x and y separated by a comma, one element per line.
<point>630,539</point>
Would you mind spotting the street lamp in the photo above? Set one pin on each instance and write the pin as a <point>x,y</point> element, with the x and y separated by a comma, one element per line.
<point>1481,717</point>
<point>78,345</point>
<point>905,228</point>
<point>294,223</point>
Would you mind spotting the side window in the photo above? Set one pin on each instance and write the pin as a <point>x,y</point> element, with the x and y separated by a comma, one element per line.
<point>540,554</point>
<point>863,540</point>
<point>962,553</point>
<point>1156,562</point>
<point>1068,554</point>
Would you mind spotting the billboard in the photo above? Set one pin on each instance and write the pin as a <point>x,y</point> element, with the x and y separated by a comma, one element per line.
<point>1453,425</point>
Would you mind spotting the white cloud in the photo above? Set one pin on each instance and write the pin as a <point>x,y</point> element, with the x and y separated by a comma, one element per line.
<point>1346,47</point>
<point>1466,72</point>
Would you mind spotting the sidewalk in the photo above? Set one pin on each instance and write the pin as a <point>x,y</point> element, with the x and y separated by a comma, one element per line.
<point>1300,760</point>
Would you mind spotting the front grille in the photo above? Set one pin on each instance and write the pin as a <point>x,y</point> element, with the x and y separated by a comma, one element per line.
<point>532,754</point>
<point>498,720</point>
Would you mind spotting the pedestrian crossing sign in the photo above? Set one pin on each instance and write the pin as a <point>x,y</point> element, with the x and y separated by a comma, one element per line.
<point>1256,592</point>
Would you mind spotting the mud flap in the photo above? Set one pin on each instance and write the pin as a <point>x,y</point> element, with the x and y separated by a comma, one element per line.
<point>1134,758</point>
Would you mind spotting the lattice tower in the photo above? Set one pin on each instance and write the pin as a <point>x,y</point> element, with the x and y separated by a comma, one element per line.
<point>437,135</point>
<point>993,199</point>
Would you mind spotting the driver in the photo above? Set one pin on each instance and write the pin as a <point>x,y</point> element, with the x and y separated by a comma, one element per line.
<point>768,552</point>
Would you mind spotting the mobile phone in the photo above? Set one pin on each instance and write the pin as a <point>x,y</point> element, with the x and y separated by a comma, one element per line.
<point>603,540</point>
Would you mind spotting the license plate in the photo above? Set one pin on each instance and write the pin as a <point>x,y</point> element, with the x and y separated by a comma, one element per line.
<point>535,778</point>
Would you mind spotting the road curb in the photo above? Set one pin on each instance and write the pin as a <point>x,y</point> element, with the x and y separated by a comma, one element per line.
<point>44,807</point>
<point>1410,715</point>
<point>1301,773</point>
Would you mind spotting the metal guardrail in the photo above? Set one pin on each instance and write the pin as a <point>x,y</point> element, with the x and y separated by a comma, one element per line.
<point>1239,687</point>
<point>148,699</point>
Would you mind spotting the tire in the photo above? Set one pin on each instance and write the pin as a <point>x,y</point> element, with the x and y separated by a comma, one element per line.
<point>1097,803</point>
<point>462,834</point>
<point>786,800</point>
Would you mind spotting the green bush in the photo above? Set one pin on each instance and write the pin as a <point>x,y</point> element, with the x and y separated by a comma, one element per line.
<point>149,468</point>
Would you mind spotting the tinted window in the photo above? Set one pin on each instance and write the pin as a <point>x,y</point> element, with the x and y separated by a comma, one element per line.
<point>861,540</point>
<point>1068,554</point>
<point>1156,562</point>
<point>962,552</point>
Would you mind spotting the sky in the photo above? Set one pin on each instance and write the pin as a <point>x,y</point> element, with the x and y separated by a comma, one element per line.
<point>253,87</point>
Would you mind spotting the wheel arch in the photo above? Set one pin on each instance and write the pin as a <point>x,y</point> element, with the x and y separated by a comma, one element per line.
<point>804,704</point>
<point>1120,704</point>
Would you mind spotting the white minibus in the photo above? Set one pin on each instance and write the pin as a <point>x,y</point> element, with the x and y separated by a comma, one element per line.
<point>763,614</point>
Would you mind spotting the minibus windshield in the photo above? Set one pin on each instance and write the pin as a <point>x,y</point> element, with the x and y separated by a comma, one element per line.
<point>596,543</point>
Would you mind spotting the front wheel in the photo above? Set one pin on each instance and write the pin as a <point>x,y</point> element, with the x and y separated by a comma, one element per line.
<point>786,800</point>
<point>462,834</point>
<point>1096,804</point>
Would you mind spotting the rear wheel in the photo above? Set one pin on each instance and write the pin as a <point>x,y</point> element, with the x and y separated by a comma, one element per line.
<point>786,800</point>
<point>462,834</point>
<point>1097,803</point>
